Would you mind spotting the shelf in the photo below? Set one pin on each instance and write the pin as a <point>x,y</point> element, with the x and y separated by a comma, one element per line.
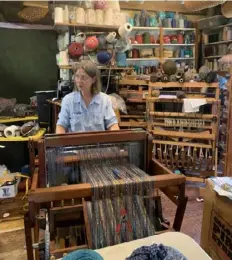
<point>213,57</point>
<point>177,44</point>
<point>87,27</point>
<point>40,134</point>
<point>190,58</point>
<point>141,59</point>
<point>179,29</point>
<point>145,28</point>
<point>145,45</point>
<point>220,42</point>
<point>132,116</point>
<point>133,82</point>
<point>183,85</point>
<point>99,67</point>
<point>176,100</point>
<point>17,119</point>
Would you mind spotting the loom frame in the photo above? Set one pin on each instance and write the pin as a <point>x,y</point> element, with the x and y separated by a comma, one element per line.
<point>40,196</point>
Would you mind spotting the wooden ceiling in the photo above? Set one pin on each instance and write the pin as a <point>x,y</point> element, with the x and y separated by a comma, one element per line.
<point>173,6</point>
<point>9,9</point>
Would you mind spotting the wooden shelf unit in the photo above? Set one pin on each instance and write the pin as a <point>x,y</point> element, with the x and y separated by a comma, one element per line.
<point>178,143</point>
<point>134,93</point>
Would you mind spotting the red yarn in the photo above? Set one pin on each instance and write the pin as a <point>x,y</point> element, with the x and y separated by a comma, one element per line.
<point>75,49</point>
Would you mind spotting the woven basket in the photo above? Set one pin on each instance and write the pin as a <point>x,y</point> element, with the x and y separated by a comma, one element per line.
<point>201,5</point>
<point>168,54</point>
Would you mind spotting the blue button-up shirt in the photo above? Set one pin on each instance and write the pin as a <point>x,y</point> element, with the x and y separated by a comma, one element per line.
<point>76,117</point>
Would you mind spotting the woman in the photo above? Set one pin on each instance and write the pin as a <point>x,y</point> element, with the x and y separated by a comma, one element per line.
<point>86,108</point>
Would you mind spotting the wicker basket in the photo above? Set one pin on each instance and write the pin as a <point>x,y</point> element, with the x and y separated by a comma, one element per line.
<point>168,54</point>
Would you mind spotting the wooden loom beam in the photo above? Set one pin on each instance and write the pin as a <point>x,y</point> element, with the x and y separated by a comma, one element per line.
<point>84,190</point>
<point>95,137</point>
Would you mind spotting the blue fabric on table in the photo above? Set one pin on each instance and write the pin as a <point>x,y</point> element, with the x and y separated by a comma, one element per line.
<point>84,254</point>
<point>156,252</point>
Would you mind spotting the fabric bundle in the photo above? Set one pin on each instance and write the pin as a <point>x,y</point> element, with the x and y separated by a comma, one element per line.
<point>156,252</point>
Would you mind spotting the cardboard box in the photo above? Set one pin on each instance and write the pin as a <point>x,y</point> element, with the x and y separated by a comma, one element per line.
<point>9,191</point>
<point>216,233</point>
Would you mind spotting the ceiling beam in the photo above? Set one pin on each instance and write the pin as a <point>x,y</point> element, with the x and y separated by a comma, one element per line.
<point>171,6</point>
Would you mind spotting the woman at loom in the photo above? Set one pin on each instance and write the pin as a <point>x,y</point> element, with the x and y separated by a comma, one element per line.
<point>86,108</point>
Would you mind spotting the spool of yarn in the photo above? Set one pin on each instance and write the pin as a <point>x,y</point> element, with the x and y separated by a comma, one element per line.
<point>90,16</point>
<point>146,38</point>
<point>72,17</point>
<point>181,23</point>
<point>125,30</point>
<point>109,17</point>
<point>2,128</point>
<point>58,15</point>
<point>174,23</point>
<point>119,18</point>
<point>172,78</point>
<point>102,42</point>
<point>139,38</point>
<point>63,58</point>
<point>182,52</point>
<point>153,77</point>
<point>80,16</point>
<point>110,38</point>
<point>120,58</point>
<point>91,43</point>
<point>104,57</point>
<point>66,14</point>
<point>100,4</point>
<point>12,131</point>
<point>75,50</point>
<point>99,17</point>
<point>80,38</point>
<point>135,53</point>
<point>164,78</point>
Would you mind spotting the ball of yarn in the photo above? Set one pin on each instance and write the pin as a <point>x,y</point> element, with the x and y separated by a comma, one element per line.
<point>91,43</point>
<point>164,78</point>
<point>155,93</point>
<point>75,50</point>
<point>169,67</point>
<point>104,57</point>
<point>172,78</point>
<point>180,94</point>
<point>100,4</point>
<point>85,254</point>
<point>153,77</point>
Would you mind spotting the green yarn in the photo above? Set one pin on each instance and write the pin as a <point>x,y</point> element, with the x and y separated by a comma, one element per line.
<point>84,254</point>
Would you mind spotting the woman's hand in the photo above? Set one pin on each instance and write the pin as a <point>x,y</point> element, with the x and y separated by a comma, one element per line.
<point>114,127</point>
<point>60,129</point>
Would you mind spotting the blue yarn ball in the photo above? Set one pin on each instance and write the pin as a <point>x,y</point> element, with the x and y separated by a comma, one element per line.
<point>84,254</point>
<point>104,57</point>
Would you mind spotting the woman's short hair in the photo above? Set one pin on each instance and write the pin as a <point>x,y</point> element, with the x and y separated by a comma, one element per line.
<point>91,69</point>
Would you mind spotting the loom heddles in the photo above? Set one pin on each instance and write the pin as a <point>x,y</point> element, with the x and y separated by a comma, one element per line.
<point>117,212</point>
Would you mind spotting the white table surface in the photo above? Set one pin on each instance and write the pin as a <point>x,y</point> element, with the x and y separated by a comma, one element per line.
<point>185,244</point>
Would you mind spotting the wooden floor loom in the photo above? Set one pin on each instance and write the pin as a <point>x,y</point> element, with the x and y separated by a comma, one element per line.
<point>100,179</point>
<point>183,140</point>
